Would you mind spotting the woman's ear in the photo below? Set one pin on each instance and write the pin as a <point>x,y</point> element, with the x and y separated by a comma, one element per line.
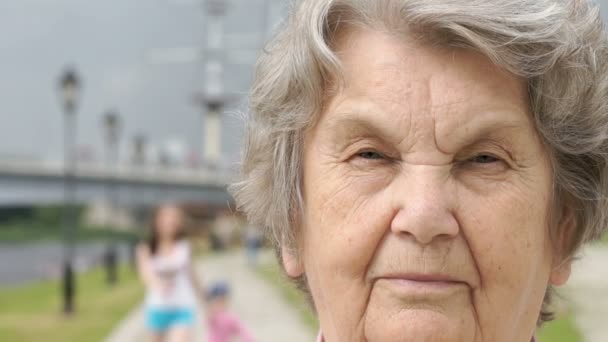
<point>562,263</point>
<point>561,273</point>
<point>291,262</point>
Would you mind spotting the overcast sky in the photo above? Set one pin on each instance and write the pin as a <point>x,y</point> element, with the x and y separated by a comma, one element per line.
<point>107,42</point>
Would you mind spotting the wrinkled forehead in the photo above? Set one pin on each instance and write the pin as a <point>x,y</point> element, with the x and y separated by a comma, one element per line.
<point>372,58</point>
<point>403,82</point>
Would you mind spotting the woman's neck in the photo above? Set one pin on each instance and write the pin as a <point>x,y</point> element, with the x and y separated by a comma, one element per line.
<point>166,244</point>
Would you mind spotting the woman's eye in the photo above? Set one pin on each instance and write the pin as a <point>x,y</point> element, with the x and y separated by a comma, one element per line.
<point>484,159</point>
<point>371,155</point>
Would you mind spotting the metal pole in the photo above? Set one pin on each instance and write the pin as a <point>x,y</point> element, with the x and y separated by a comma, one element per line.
<point>110,255</point>
<point>69,282</point>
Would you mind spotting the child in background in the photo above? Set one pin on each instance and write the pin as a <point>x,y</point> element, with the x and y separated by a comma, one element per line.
<point>223,324</point>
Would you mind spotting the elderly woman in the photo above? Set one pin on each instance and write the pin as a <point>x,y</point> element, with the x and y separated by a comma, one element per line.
<point>429,168</point>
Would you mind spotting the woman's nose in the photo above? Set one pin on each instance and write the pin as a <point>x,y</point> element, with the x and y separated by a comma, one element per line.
<point>423,202</point>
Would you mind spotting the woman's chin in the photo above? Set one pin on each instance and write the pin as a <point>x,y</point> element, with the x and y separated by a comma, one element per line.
<point>419,324</point>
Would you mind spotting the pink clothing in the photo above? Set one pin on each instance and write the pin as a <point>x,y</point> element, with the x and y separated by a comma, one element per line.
<point>223,326</point>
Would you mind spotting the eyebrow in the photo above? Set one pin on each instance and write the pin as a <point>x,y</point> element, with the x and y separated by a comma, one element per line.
<point>363,117</point>
<point>353,124</point>
<point>494,122</point>
<point>497,122</point>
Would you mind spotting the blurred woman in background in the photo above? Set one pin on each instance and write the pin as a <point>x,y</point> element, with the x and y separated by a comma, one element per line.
<point>165,267</point>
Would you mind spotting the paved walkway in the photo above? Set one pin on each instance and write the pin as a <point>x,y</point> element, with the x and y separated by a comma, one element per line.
<point>587,293</point>
<point>258,304</point>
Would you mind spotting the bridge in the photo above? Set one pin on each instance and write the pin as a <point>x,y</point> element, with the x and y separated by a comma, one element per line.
<point>38,183</point>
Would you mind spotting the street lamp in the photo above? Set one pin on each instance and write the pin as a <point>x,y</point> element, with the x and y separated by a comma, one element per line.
<point>216,7</point>
<point>112,129</point>
<point>69,89</point>
<point>138,157</point>
<point>111,123</point>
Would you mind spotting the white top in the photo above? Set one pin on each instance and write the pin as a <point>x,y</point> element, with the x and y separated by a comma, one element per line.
<point>173,272</point>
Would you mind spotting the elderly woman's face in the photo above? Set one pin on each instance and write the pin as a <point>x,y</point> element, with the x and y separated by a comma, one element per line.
<point>427,200</point>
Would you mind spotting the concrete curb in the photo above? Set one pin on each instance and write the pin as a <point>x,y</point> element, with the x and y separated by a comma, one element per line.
<point>131,328</point>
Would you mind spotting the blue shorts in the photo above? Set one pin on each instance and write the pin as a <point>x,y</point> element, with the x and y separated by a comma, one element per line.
<point>160,320</point>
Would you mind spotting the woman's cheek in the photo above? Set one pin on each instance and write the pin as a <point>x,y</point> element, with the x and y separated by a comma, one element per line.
<point>343,232</point>
<point>505,232</point>
<point>347,220</point>
<point>338,195</point>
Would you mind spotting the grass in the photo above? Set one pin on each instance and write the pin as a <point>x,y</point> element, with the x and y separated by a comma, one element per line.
<point>32,312</point>
<point>562,329</point>
<point>602,242</point>
<point>23,225</point>
<point>273,274</point>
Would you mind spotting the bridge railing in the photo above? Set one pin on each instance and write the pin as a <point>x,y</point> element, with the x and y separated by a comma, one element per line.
<point>135,173</point>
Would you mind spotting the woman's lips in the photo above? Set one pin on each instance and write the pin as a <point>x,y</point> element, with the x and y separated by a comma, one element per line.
<point>423,286</point>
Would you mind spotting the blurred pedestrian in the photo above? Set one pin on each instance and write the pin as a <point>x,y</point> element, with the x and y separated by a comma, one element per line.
<point>172,287</point>
<point>224,325</point>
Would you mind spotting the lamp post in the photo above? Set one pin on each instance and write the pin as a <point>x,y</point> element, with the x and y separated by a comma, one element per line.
<point>111,123</point>
<point>69,89</point>
<point>138,157</point>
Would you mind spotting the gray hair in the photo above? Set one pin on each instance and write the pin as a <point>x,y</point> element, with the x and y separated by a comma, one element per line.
<point>559,46</point>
